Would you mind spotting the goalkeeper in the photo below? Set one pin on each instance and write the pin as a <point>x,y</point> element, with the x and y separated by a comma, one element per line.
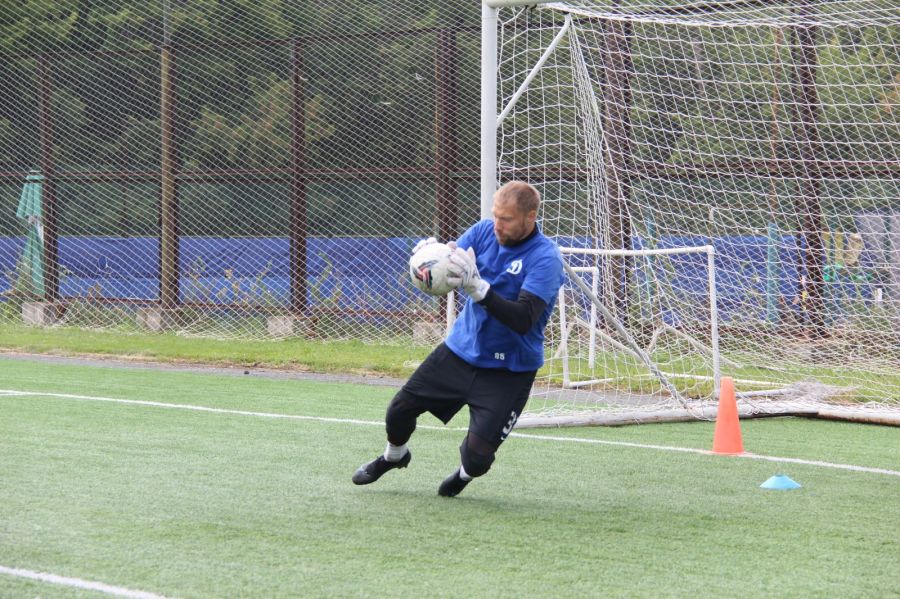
<point>511,273</point>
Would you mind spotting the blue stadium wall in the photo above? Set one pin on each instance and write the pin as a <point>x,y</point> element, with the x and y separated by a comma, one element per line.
<point>255,271</point>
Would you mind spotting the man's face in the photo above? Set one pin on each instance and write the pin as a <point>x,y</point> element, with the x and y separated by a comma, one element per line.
<point>511,225</point>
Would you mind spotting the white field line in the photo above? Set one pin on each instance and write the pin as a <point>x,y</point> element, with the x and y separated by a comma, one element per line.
<point>79,583</point>
<point>196,408</point>
<point>751,456</point>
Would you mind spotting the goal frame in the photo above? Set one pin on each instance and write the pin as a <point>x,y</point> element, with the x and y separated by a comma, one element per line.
<point>490,119</point>
<point>493,114</point>
<point>490,123</point>
<point>710,252</point>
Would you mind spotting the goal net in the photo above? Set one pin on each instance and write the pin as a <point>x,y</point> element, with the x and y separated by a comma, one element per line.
<point>766,131</point>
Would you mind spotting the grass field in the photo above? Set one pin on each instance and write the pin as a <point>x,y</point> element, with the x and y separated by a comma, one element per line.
<point>162,497</point>
<point>294,353</point>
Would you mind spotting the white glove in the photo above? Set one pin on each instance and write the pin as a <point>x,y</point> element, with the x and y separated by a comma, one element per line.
<point>423,243</point>
<point>464,272</point>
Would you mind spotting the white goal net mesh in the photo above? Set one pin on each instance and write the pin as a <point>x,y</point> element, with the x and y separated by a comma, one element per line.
<point>769,131</point>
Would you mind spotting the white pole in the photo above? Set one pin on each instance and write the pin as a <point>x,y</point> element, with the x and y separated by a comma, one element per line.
<point>564,335</point>
<point>502,3</point>
<point>696,249</point>
<point>592,351</point>
<point>488,108</point>
<point>714,319</point>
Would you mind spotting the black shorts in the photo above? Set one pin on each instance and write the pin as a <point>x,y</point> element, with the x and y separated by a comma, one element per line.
<point>444,383</point>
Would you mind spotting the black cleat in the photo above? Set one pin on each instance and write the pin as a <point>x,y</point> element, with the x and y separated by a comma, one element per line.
<point>369,473</point>
<point>452,485</point>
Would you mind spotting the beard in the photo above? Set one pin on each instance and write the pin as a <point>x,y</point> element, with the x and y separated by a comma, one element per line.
<point>508,239</point>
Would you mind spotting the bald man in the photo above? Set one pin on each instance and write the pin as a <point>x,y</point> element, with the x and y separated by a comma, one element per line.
<point>511,273</point>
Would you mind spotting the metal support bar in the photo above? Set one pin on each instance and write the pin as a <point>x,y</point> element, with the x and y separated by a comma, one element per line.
<point>620,329</point>
<point>298,222</point>
<point>713,319</point>
<point>504,3</point>
<point>641,354</point>
<point>168,205</point>
<point>534,71</point>
<point>48,167</point>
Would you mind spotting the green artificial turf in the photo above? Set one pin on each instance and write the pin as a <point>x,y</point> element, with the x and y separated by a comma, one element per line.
<point>296,353</point>
<point>187,503</point>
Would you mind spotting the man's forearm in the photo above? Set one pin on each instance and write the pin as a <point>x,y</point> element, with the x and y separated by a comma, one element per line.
<point>519,315</point>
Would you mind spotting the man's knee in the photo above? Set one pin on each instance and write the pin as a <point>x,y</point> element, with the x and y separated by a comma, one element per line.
<point>477,455</point>
<point>400,420</point>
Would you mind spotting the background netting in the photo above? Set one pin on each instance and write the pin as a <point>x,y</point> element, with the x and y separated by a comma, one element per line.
<point>253,169</point>
<point>262,169</point>
<point>768,132</point>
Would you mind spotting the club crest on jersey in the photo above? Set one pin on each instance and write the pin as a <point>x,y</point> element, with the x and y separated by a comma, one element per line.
<point>515,267</point>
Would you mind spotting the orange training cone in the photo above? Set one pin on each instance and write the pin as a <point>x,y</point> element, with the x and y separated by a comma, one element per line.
<point>727,438</point>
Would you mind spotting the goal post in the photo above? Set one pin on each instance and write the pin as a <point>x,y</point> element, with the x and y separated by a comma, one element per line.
<point>767,134</point>
<point>490,119</point>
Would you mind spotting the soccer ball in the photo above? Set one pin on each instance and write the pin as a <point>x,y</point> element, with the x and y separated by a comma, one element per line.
<point>428,269</point>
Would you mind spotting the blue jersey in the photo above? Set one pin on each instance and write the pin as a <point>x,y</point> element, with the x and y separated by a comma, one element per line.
<point>535,266</point>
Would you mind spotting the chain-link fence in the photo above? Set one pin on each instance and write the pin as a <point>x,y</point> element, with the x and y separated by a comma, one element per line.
<point>236,170</point>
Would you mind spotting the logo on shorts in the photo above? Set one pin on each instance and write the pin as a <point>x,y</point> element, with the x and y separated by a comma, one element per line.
<point>515,267</point>
<point>509,425</point>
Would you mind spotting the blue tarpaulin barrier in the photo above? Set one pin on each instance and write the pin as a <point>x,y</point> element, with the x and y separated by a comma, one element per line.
<point>226,271</point>
<point>256,271</point>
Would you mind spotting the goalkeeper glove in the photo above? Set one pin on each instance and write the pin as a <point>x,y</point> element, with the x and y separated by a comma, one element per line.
<point>464,272</point>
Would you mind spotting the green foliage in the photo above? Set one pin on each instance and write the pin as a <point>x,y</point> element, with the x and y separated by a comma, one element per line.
<point>697,93</point>
<point>37,26</point>
<point>118,209</point>
<point>89,311</point>
<point>19,289</point>
<point>238,292</point>
<point>6,140</point>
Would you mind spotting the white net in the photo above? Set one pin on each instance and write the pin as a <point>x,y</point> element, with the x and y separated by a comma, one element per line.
<point>229,170</point>
<point>234,169</point>
<point>770,132</point>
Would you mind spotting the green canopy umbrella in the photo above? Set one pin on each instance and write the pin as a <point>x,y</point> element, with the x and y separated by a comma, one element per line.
<point>30,211</point>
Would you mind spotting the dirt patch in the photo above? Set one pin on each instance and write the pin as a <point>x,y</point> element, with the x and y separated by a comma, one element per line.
<point>219,369</point>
